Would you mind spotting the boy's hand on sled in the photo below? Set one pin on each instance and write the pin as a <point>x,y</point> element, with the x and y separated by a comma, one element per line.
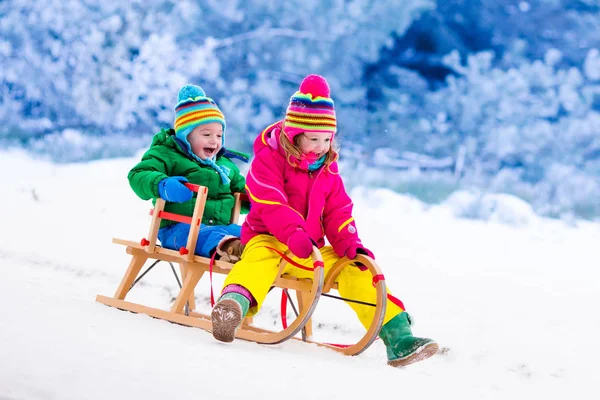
<point>352,251</point>
<point>173,189</point>
<point>300,244</point>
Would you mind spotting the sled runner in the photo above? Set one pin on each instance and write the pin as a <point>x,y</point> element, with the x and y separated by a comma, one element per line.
<point>193,268</point>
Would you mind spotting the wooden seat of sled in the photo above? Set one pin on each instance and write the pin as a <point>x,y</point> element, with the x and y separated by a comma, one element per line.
<point>193,268</point>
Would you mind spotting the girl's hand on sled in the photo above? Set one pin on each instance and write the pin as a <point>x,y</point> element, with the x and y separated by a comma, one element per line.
<point>300,244</point>
<point>352,251</point>
<point>173,189</point>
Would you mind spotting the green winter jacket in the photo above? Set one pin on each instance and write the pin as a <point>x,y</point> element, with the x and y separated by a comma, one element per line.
<point>167,158</point>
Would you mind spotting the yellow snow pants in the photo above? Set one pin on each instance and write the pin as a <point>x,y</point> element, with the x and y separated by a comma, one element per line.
<point>258,268</point>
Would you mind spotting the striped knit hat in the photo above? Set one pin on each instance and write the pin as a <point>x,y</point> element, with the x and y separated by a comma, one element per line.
<point>193,109</point>
<point>310,109</point>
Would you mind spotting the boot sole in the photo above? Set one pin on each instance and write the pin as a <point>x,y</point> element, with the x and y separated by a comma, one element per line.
<point>422,353</point>
<point>226,318</point>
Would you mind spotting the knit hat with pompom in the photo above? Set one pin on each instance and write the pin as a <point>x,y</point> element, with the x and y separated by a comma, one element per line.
<point>193,109</point>
<point>311,109</point>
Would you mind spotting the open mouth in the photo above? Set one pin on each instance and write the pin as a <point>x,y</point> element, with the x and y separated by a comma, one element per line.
<point>209,151</point>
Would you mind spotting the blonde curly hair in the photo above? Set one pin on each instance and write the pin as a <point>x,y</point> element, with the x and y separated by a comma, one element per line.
<point>292,149</point>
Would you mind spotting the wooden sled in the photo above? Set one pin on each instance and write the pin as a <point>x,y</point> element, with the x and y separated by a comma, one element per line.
<point>193,267</point>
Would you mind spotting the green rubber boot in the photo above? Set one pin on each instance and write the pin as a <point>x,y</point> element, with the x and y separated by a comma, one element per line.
<point>402,347</point>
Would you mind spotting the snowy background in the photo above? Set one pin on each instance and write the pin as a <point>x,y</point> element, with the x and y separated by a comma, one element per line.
<point>470,134</point>
<point>513,302</point>
<point>494,96</point>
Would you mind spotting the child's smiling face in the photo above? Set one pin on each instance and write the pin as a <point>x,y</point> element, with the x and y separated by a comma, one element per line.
<point>206,140</point>
<point>315,144</point>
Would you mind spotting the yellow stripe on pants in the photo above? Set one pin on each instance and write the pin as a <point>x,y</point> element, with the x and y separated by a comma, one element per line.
<point>258,268</point>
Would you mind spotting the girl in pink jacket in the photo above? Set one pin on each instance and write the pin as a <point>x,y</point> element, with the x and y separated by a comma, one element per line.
<point>298,198</point>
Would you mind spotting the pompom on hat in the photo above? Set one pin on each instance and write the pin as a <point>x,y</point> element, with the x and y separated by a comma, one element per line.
<point>193,109</point>
<point>311,109</point>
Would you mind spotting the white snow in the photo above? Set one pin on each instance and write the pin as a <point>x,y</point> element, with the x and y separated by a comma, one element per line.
<point>514,304</point>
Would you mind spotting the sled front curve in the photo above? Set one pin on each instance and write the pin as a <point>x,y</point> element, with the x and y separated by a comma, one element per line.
<point>380,305</point>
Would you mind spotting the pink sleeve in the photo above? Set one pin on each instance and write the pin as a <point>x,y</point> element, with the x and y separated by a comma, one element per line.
<point>264,185</point>
<point>340,226</point>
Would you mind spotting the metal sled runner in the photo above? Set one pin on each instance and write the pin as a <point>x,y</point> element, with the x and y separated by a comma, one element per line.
<point>193,268</point>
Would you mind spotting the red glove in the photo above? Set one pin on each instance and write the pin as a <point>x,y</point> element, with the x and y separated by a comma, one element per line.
<point>352,251</point>
<point>300,244</point>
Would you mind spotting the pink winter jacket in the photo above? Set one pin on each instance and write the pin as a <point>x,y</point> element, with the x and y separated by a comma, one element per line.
<point>285,198</point>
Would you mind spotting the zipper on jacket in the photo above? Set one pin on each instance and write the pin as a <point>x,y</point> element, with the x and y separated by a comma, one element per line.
<point>311,189</point>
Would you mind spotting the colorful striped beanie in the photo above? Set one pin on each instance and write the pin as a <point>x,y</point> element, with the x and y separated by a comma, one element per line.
<point>193,109</point>
<point>310,109</point>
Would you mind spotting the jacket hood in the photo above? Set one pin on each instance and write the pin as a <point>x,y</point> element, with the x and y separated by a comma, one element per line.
<point>269,137</point>
<point>162,137</point>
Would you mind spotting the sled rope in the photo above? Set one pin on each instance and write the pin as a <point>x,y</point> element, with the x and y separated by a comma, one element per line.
<point>286,294</point>
<point>294,263</point>
<point>210,272</point>
<point>376,279</point>
<point>283,308</point>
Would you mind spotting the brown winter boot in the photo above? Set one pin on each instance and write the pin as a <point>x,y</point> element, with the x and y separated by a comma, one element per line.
<point>227,316</point>
<point>230,250</point>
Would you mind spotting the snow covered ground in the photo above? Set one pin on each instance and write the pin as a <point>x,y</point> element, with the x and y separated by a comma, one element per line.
<point>513,303</point>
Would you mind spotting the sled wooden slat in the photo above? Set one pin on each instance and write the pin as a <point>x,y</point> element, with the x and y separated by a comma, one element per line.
<point>191,299</point>
<point>190,280</point>
<point>154,312</point>
<point>196,220</point>
<point>159,206</point>
<point>237,208</point>
<point>193,267</point>
<point>135,266</point>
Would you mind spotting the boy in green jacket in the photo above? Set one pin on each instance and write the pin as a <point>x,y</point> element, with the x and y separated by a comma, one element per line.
<point>193,152</point>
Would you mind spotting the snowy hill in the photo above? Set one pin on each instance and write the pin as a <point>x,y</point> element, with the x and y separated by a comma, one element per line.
<point>512,303</point>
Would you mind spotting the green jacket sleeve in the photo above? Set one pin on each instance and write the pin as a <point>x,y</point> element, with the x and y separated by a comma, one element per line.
<point>145,176</point>
<point>238,185</point>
